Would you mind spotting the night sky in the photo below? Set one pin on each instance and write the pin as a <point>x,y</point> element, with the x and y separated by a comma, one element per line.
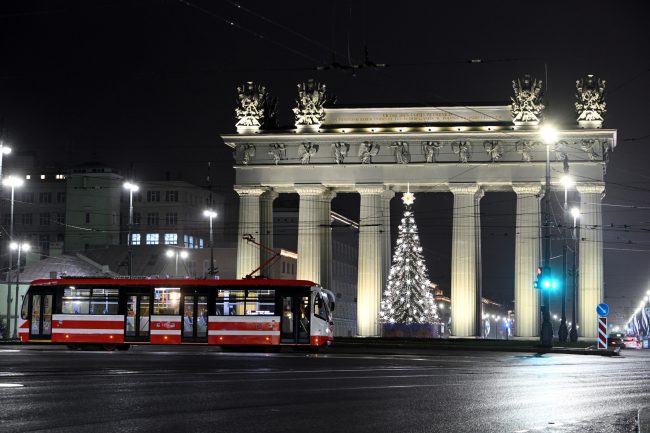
<point>148,86</point>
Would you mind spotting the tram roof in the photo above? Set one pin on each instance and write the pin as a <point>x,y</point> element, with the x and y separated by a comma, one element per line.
<point>170,282</point>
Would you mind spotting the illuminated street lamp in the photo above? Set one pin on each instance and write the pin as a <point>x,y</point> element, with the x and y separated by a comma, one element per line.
<point>13,182</point>
<point>131,187</point>
<point>209,213</point>
<point>4,150</point>
<point>175,253</point>
<point>19,247</point>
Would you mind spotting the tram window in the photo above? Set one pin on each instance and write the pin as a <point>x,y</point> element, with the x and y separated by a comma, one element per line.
<point>319,310</point>
<point>166,300</point>
<point>260,302</point>
<point>230,303</point>
<point>104,301</point>
<point>75,300</point>
<point>24,308</point>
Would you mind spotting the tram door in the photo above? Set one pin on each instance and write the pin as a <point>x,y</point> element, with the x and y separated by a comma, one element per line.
<point>40,315</point>
<point>195,317</point>
<point>294,324</point>
<point>138,312</point>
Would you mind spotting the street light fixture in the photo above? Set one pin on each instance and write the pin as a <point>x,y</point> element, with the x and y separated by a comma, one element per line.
<point>19,247</point>
<point>131,187</point>
<point>174,253</point>
<point>13,182</point>
<point>209,213</point>
<point>4,150</point>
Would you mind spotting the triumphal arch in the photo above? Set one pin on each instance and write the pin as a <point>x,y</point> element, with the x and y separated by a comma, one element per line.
<point>377,151</point>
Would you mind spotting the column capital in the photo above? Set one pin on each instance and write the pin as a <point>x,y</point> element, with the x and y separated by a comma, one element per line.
<point>310,189</point>
<point>527,188</point>
<point>463,188</point>
<point>250,190</point>
<point>370,188</point>
<point>269,195</point>
<point>590,188</point>
<point>388,194</point>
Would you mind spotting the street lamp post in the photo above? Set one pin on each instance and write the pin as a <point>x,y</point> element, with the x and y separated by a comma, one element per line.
<point>567,181</point>
<point>549,135</point>
<point>172,253</point>
<point>13,182</point>
<point>573,333</point>
<point>20,247</point>
<point>209,213</point>
<point>131,187</point>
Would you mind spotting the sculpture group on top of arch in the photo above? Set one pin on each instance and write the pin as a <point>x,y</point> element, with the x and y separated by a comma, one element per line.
<point>256,109</point>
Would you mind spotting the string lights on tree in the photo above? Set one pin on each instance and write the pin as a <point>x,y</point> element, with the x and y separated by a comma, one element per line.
<point>408,298</point>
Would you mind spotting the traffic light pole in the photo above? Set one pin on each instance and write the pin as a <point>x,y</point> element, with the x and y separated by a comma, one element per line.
<point>546,335</point>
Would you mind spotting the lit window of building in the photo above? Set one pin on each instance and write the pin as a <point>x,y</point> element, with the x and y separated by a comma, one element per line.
<point>153,238</point>
<point>135,239</point>
<point>171,238</point>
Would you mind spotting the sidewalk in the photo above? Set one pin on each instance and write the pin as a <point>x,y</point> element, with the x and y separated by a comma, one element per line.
<point>342,344</point>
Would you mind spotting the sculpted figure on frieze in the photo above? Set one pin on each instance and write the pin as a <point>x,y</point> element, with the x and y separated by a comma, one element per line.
<point>306,151</point>
<point>527,104</point>
<point>340,151</point>
<point>561,149</point>
<point>312,98</point>
<point>525,148</point>
<point>278,152</point>
<point>431,150</point>
<point>590,95</point>
<point>402,154</point>
<point>245,152</point>
<point>367,150</point>
<point>592,146</point>
<point>493,149</point>
<point>254,106</point>
<point>463,149</point>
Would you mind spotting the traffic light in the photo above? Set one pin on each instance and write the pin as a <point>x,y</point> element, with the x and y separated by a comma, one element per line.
<point>545,280</point>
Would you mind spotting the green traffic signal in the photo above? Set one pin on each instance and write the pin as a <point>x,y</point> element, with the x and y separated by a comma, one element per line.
<point>545,281</point>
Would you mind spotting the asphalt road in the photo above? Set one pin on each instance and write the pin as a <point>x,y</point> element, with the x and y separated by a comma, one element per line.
<point>199,389</point>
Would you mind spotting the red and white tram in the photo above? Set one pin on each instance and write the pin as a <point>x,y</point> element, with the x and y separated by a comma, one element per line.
<point>116,313</point>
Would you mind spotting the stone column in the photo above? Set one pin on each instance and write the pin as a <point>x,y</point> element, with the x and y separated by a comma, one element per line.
<point>590,267</point>
<point>326,240</point>
<point>248,255</point>
<point>371,261</point>
<point>385,233</point>
<point>527,247</point>
<point>310,231</point>
<point>464,288</point>
<point>266,226</point>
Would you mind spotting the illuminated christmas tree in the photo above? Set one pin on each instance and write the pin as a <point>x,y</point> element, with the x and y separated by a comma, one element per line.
<point>408,298</point>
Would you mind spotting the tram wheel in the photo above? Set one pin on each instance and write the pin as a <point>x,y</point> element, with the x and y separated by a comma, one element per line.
<point>109,347</point>
<point>123,347</point>
<point>73,347</point>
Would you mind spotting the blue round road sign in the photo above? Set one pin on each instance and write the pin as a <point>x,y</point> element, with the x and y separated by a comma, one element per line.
<point>602,310</point>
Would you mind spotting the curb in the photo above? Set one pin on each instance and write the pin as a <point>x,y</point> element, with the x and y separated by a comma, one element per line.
<point>643,420</point>
<point>523,349</point>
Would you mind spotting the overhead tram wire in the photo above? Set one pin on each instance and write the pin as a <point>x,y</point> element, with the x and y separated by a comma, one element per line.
<point>244,29</point>
<point>281,26</point>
